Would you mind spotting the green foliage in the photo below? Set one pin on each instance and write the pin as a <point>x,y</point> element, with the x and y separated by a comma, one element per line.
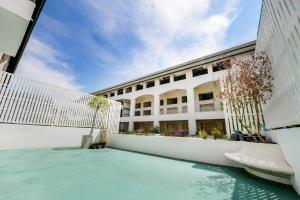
<point>99,102</point>
<point>216,133</point>
<point>203,134</point>
<point>155,130</point>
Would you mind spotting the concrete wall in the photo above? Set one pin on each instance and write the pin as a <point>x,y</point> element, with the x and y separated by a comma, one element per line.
<point>289,140</point>
<point>195,149</point>
<point>14,136</point>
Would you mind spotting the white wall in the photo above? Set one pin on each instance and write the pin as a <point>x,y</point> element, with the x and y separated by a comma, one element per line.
<point>14,136</point>
<point>194,149</point>
<point>289,140</point>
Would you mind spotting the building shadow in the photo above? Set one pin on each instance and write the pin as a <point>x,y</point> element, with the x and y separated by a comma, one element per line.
<point>243,185</point>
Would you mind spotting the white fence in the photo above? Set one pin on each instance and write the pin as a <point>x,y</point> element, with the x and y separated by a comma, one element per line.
<point>26,101</point>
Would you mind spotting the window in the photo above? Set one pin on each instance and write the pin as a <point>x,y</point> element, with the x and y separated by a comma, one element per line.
<point>147,104</point>
<point>137,113</point>
<point>184,99</point>
<point>128,90</point>
<point>120,91</point>
<point>112,94</point>
<point>138,105</point>
<point>173,110</point>
<point>139,87</point>
<point>199,71</point>
<point>150,84</point>
<point>164,80</point>
<point>105,95</point>
<point>171,101</point>
<point>206,96</point>
<point>162,102</point>
<point>220,65</point>
<point>179,77</point>
<point>147,112</point>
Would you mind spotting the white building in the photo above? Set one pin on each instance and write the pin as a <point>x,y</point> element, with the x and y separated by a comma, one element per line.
<point>180,97</point>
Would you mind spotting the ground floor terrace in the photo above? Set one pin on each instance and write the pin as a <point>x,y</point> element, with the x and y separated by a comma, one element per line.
<point>174,125</point>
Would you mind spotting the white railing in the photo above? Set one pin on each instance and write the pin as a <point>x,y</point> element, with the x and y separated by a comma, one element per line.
<point>27,101</point>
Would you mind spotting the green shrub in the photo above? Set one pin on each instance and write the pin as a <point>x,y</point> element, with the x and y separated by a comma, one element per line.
<point>203,134</point>
<point>216,133</point>
<point>155,130</point>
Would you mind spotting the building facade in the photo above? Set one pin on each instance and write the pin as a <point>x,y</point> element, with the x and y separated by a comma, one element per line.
<point>182,97</point>
<point>279,37</point>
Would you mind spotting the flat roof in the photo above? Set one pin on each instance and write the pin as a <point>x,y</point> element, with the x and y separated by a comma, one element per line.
<point>236,50</point>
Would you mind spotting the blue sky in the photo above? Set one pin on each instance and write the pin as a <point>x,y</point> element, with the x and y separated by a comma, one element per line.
<point>93,44</point>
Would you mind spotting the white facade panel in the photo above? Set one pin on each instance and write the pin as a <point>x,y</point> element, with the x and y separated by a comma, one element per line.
<point>279,37</point>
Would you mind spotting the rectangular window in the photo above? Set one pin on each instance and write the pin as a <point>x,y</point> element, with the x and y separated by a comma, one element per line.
<point>220,65</point>
<point>112,94</point>
<point>128,90</point>
<point>147,112</point>
<point>138,105</point>
<point>150,84</point>
<point>199,71</point>
<point>173,110</point>
<point>184,99</point>
<point>137,113</point>
<point>120,91</point>
<point>164,80</point>
<point>139,87</point>
<point>206,96</point>
<point>147,104</point>
<point>179,77</point>
<point>171,101</point>
<point>161,102</point>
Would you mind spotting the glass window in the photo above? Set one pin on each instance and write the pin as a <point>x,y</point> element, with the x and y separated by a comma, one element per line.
<point>112,94</point>
<point>128,90</point>
<point>184,99</point>
<point>139,87</point>
<point>150,84</point>
<point>206,96</point>
<point>137,113</point>
<point>180,77</point>
<point>147,104</point>
<point>199,71</point>
<point>171,101</point>
<point>161,102</point>
<point>147,112</point>
<point>220,65</point>
<point>120,91</point>
<point>138,105</point>
<point>164,80</point>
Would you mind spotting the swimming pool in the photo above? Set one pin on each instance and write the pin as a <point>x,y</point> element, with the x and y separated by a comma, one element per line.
<point>70,173</point>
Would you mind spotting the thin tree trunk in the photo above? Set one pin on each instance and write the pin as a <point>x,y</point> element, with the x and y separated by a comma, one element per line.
<point>258,120</point>
<point>94,119</point>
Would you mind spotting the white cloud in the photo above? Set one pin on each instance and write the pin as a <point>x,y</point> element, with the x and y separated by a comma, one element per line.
<point>42,62</point>
<point>171,31</point>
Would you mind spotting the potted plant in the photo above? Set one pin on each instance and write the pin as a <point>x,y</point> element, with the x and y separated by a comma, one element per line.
<point>216,133</point>
<point>98,103</point>
<point>103,136</point>
<point>155,130</point>
<point>203,134</point>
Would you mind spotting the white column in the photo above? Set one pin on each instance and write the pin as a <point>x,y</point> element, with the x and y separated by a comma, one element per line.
<point>209,69</point>
<point>156,107</point>
<point>131,116</point>
<point>191,111</point>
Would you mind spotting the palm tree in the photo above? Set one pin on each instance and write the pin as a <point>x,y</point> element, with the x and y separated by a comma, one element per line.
<point>99,103</point>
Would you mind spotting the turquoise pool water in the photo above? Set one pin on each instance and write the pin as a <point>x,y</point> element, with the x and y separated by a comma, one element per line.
<point>109,174</point>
